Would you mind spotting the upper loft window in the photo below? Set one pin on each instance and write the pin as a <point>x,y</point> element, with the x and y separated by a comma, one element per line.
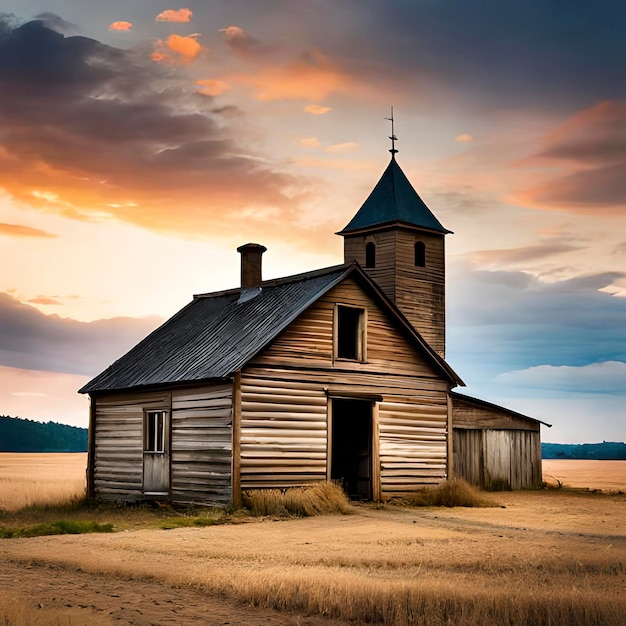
<point>370,254</point>
<point>350,333</point>
<point>154,432</point>
<point>420,254</point>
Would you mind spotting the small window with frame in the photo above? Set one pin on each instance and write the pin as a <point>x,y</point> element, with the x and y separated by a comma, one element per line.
<point>154,432</point>
<point>350,333</point>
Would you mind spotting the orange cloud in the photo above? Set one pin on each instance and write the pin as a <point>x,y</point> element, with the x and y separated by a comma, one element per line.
<point>212,87</point>
<point>17,230</point>
<point>464,138</point>
<point>587,154</point>
<point>316,109</point>
<point>175,15</point>
<point>177,50</point>
<point>153,157</point>
<point>309,142</point>
<point>347,146</point>
<point>45,300</point>
<point>121,26</point>
<point>312,77</point>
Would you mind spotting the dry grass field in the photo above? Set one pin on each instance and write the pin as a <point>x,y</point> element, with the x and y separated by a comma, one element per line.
<point>603,475</point>
<point>27,479</point>
<point>547,557</point>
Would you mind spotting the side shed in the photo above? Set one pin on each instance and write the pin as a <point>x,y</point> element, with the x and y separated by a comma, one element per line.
<point>495,448</point>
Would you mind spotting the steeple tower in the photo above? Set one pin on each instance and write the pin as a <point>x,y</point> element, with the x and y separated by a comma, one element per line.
<point>400,244</point>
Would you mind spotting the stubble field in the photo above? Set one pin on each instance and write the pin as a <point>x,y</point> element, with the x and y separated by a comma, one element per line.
<point>548,557</point>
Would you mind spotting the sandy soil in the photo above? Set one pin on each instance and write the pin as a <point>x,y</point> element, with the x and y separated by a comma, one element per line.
<point>194,575</point>
<point>61,594</point>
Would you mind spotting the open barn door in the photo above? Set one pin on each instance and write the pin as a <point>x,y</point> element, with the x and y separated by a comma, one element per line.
<point>156,454</point>
<point>351,447</point>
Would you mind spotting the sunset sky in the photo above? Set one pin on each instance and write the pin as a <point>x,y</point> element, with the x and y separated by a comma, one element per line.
<point>142,142</point>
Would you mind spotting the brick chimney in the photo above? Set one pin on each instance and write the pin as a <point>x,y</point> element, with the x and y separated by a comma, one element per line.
<point>251,264</point>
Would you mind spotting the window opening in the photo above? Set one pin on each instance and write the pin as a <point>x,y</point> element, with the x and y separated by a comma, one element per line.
<point>370,254</point>
<point>155,431</point>
<point>349,324</point>
<point>420,254</point>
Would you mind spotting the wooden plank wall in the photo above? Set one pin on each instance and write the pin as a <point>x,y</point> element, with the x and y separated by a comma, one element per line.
<point>470,416</point>
<point>385,271</point>
<point>498,459</point>
<point>284,431</point>
<point>468,456</point>
<point>412,434</point>
<point>118,463</point>
<point>419,292</point>
<point>202,445</point>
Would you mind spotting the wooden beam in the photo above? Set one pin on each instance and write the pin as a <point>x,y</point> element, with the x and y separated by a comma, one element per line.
<point>329,438</point>
<point>450,440</point>
<point>376,489</point>
<point>91,449</point>
<point>236,443</point>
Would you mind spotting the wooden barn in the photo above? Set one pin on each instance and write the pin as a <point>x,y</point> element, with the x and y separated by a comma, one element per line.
<point>336,374</point>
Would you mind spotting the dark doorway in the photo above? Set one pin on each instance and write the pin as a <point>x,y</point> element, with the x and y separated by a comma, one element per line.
<point>351,454</point>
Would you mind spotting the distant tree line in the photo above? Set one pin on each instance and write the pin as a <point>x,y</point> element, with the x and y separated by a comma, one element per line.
<point>24,435</point>
<point>605,451</point>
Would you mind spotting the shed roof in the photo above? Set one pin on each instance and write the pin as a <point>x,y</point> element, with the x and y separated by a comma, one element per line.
<point>216,334</point>
<point>489,406</point>
<point>394,200</point>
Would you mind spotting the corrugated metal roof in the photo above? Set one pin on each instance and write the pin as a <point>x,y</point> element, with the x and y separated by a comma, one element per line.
<point>216,334</point>
<point>392,200</point>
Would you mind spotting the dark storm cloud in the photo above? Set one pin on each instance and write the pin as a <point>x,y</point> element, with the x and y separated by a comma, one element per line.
<point>96,128</point>
<point>56,22</point>
<point>565,54</point>
<point>503,321</point>
<point>242,43</point>
<point>32,340</point>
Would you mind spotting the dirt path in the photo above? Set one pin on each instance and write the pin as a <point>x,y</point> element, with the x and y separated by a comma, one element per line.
<point>546,549</point>
<point>67,595</point>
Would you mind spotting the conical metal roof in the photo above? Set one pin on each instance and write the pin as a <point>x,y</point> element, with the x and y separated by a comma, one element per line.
<point>394,200</point>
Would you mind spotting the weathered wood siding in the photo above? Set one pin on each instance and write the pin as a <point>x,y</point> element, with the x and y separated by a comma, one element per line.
<point>200,451</point>
<point>468,456</point>
<point>419,292</point>
<point>285,389</point>
<point>118,462</point>
<point>412,434</point>
<point>202,444</point>
<point>470,416</point>
<point>283,430</point>
<point>498,459</point>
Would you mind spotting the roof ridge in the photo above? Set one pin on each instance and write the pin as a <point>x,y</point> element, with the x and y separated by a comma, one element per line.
<point>274,282</point>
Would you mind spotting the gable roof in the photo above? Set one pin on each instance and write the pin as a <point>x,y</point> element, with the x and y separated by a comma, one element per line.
<point>394,200</point>
<point>216,334</point>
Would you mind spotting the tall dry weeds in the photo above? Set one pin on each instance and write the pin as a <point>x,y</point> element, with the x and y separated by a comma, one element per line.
<point>323,498</point>
<point>451,492</point>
